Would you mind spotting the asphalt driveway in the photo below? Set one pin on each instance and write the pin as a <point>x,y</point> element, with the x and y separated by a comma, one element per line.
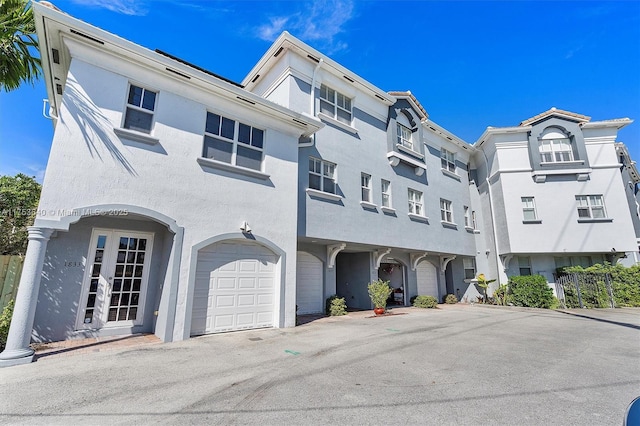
<point>460,364</point>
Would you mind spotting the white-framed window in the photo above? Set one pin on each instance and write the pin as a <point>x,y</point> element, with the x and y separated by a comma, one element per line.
<point>415,202</point>
<point>590,207</point>
<point>524,265</point>
<point>469,264</point>
<point>141,103</point>
<point>528,208</point>
<point>404,136</point>
<point>555,146</point>
<point>322,175</point>
<point>474,223</point>
<point>365,184</point>
<point>448,160</point>
<point>467,217</point>
<point>335,104</point>
<point>230,141</point>
<point>385,190</point>
<point>446,211</point>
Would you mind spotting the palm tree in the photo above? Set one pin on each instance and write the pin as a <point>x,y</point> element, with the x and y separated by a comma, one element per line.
<point>17,37</point>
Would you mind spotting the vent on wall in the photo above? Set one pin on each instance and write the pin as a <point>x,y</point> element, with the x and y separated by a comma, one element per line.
<point>313,58</point>
<point>255,78</point>
<point>59,89</point>
<point>278,52</point>
<point>348,78</point>
<point>246,100</point>
<point>86,36</point>
<point>55,55</point>
<point>178,73</point>
<point>380,97</point>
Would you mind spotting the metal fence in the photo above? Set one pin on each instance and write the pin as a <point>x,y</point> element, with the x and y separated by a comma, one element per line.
<point>10,270</point>
<point>585,291</point>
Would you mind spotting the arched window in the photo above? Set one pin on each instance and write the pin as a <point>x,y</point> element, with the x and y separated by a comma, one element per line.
<point>555,146</point>
<point>404,131</point>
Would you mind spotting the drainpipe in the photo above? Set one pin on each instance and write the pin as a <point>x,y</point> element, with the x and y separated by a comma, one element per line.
<point>312,103</point>
<point>493,217</point>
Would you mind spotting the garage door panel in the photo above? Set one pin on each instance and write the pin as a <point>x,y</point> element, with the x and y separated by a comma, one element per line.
<point>309,288</point>
<point>427,276</point>
<point>238,282</point>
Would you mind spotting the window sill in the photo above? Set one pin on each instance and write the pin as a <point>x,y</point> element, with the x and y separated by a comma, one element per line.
<point>409,151</point>
<point>389,210</point>
<point>471,280</point>
<point>449,224</point>
<point>215,164</point>
<point>417,217</point>
<point>450,174</point>
<point>591,220</point>
<point>395,157</point>
<point>560,163</point>
<point>135,136</point>
<point>532,221</point>
<point>322,194</point>
<point>469,229</point>
<point>337,123</point>
<point>368,205</point>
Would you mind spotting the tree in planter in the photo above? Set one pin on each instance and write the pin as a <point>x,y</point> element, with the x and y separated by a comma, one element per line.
<point>483,283</point>
<point>379,292</point>
<point>19,198</point>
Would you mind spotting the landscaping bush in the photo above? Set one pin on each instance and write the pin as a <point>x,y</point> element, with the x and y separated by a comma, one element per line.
<point>5,321</point>
<point>531,291</point>
<point>625,284</point>
<point>336,306</point>
<point>451,299</point>
<point>425,302</point>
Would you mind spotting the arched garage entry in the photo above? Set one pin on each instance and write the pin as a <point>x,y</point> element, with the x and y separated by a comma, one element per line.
<point>235,287</point>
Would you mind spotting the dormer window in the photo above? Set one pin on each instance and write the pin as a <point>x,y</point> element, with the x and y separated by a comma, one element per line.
<point>335,104</point>
<point>555,146</point>
<point>404,136</point>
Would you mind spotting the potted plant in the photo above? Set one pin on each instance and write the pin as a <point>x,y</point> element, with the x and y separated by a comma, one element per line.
<point>379,292</point>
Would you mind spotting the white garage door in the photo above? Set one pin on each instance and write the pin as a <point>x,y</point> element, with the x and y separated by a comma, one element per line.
<point>234,289</point>
<point>427,279</point>
<point>309,284</point>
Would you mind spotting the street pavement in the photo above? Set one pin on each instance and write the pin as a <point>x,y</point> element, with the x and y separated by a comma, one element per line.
<point>458,365</point>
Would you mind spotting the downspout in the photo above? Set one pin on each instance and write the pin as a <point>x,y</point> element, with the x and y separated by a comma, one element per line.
<point>312,104</point>
<point>493,217</point>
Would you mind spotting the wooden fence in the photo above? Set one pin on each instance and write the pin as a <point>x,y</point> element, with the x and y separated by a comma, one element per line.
<point>10,270</point>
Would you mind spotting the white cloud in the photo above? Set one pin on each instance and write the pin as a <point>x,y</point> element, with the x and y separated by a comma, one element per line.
<point>321,21</point>
<point>125,7</point>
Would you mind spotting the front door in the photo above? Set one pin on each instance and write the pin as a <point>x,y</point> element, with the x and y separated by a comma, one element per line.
<point>115,282</point>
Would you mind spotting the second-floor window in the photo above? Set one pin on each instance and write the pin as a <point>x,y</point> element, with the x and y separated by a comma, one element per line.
<point>528,208</point>
<point>404,136</point>
<point>335,104</point>
<point>233,142</point>
<point>446,212</point>
<point>365,183</point>
<point>467,217</point>
<point>555,146</point>
<point>590,207</point>
<point>322,175</point>
<point>140,106</point>
<point>448,160</point>
<point>415,202</point>
<point>385,189</point>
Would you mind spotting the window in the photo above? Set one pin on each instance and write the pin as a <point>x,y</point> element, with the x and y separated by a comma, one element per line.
<point>404,136</point>
<point>385,187</point>
<point>590,207</point>
<point>140,106</point>
<point>415,202</point>
<point>555,146</point>
<point>448,160</point>
<point>446,213</point>
<point>524,264</point>
<point>469,264</point>
<point>365,183</point>
<point>335,104</point>
<point>467,217</point>
<point>232,142</point>
<point>322,175</point>
<point>473,219</point>
<point>528,208</point>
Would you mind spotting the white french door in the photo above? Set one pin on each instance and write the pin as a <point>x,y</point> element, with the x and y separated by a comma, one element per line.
<point>115,281</point>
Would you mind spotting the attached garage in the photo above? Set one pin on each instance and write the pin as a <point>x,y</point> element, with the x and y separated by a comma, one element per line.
<point>427,275</point>
<point>235,288</point>
<point>309,293</point>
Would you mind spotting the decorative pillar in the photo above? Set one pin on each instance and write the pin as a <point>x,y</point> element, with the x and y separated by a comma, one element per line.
<point>17,350</point>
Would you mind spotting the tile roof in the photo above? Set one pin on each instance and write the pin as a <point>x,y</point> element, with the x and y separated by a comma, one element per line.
<point>408,94</point>
<point>555,111</point>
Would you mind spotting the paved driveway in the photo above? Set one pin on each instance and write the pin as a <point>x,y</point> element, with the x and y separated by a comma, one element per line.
<point>457,365</point>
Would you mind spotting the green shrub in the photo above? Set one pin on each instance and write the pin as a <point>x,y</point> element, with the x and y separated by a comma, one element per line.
<point>501,295</point>
<point>336,306</point>
<point>5,321</point>
<point>625,284</point>
<point>451,299</point>
<point>531,291</point>
<point>425,302</point>
<point>379,292</point>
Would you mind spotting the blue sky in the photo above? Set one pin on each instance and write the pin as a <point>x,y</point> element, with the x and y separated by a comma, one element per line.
<point>471,64</point>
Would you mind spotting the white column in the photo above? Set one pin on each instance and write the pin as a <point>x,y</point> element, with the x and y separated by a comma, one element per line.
<point>17,350</point>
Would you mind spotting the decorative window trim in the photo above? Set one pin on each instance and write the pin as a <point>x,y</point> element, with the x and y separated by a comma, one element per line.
<point>321,194</point>
<point>598,220</point>
<point>340,124</point>
<point>409,151</point>
<point>139,108</point>
<point>524,203</point>
<point>401,140</point>
<point>533,221</point>
<point>221,165</point>
<point>366,190</point>
<point>446,211</point>
<point>590,208</point>
<point>448,159</point>
<point>389,210</point>
<point>368,205</point>
<point>335,103</point>
<point>136,136</point>
<point>321,175</point>
<point>386,192</point>
<point>451,174</point>
<point>415,199</point>
<point>449,224</point>
<point>417,217</point>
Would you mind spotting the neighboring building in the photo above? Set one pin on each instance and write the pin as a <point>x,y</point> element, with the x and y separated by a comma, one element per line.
<point>631,182</point>
<point>180,203</point>
<point>554,188</point>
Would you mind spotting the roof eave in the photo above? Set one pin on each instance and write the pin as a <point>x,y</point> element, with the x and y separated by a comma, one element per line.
<point>490,131</point>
